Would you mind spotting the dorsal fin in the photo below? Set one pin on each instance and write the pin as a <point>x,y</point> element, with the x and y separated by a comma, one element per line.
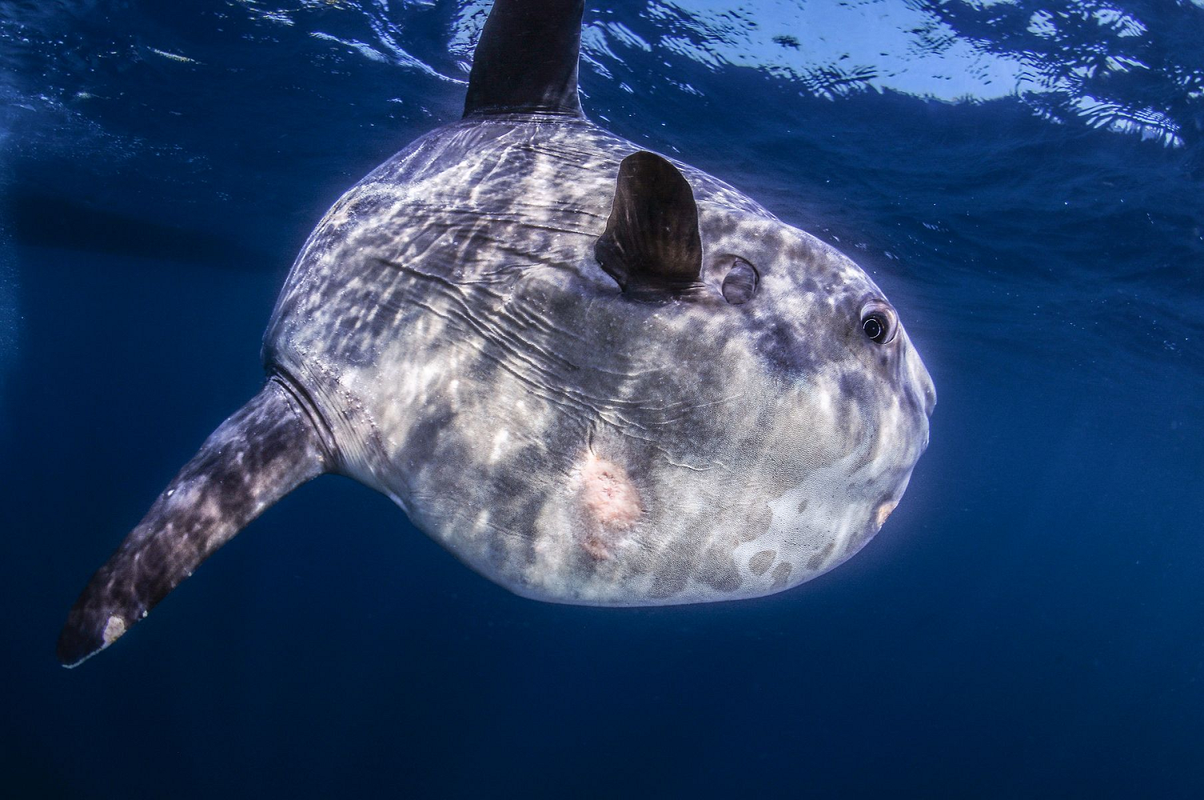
<point>651,240</point>
<point>526,61</point>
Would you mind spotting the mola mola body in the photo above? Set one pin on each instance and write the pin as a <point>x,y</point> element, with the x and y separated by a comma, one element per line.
<point>594,374</point>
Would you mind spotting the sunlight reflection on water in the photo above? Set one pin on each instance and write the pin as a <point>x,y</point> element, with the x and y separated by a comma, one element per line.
<point>1127,71</point>
<point>1060,60</point>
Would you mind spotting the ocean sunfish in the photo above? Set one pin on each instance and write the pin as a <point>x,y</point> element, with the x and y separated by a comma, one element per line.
<point>595,374</point>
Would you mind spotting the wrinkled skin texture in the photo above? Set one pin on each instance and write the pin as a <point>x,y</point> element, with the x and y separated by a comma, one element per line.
<point>452,336</point>
<point>594,376</point>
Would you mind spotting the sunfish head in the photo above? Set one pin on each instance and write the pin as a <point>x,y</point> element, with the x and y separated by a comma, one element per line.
<point>752,409</point>
<point>835,393</point>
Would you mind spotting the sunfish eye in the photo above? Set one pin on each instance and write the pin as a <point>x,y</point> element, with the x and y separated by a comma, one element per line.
<point>879,322</point>
<point>740,283</point>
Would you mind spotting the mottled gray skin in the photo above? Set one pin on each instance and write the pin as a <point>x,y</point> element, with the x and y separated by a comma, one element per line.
<point>661,426</point>
<point>460,349</point>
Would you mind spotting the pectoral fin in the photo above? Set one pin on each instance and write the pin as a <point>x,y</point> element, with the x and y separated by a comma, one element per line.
<point>652,241</point>
<point>257,456</point>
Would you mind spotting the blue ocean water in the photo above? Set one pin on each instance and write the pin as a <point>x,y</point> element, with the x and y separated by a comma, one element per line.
<point>1024,180</point>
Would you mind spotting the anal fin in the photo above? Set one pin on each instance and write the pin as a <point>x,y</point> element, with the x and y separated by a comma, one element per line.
<point>257,456</point>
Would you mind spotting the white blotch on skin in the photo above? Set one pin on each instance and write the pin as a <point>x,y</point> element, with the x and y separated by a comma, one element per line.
<point>113,629</point>
<point>823,399</point>
<point>499,445</point>
<point>481,525</point>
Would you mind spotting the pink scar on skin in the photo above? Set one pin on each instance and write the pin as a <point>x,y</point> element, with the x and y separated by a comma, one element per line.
<point>609,499</point>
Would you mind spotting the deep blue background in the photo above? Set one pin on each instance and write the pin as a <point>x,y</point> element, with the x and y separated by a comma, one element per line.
<point>1028,623</point>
